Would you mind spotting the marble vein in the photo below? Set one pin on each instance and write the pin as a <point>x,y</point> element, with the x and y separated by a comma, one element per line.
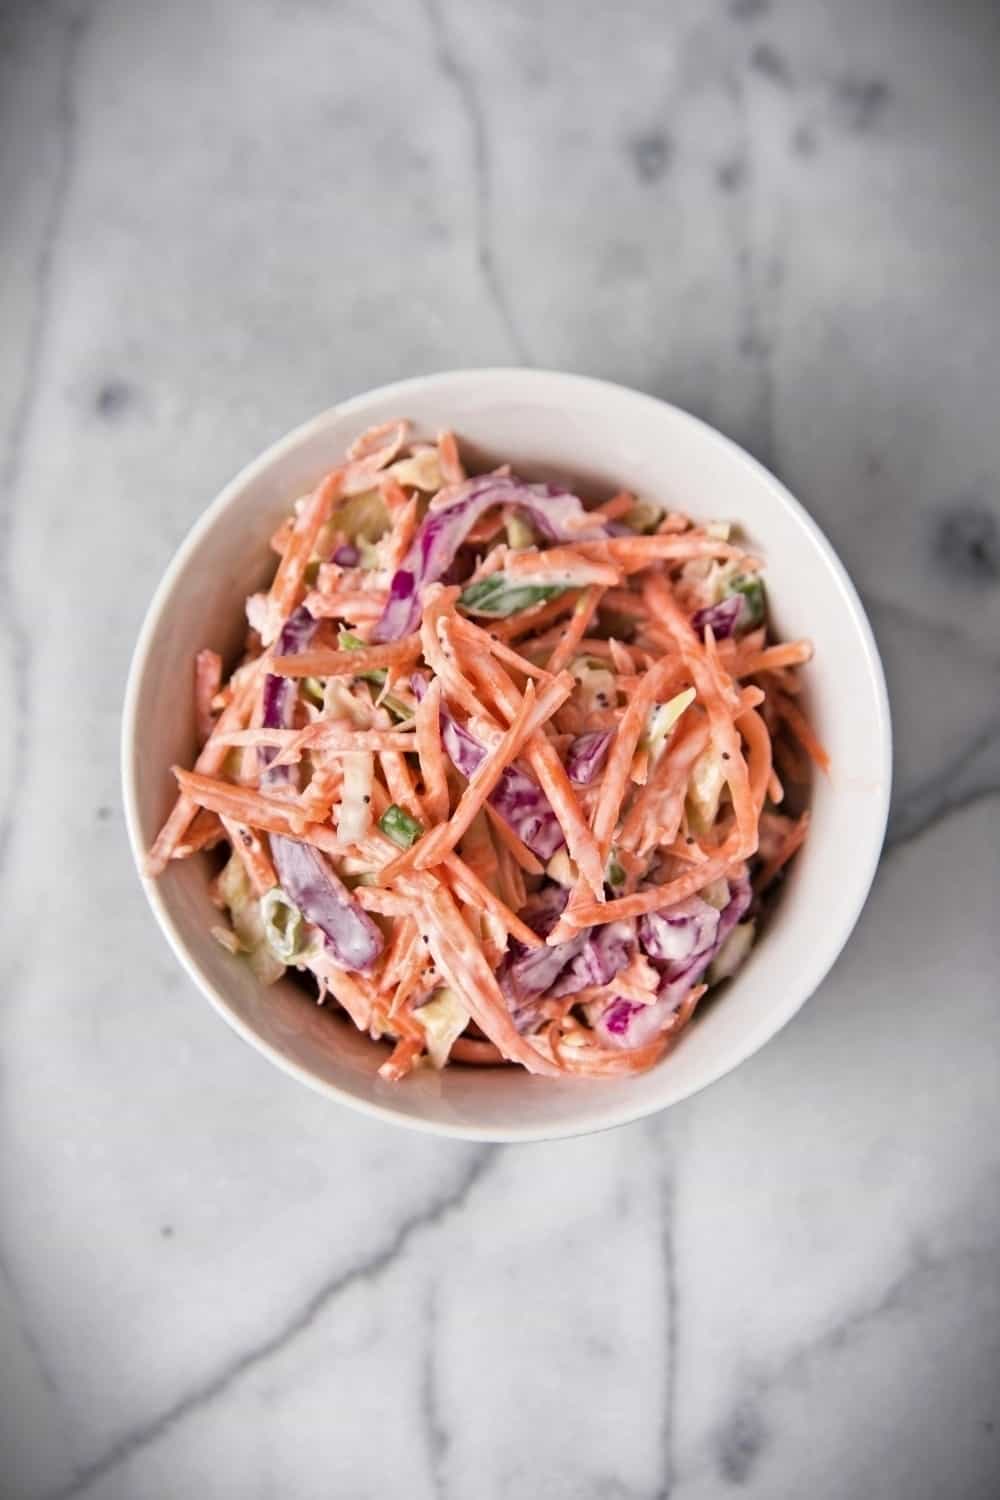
<point>12,625</point>
<point>452,66</point>
<point>435,1431</point>
<point>942,793</point>
<point>209,1390</point>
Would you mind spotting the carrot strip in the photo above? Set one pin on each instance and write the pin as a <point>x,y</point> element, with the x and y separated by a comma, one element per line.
<point>257,810</point>
<point>400,782</point>
<point>452,468</point>
<point>433,766</point>
<point>204,832</point>
<point>619,505</point>
<point>632,553</point>
<point>791,654</point>
<point>403,530</point>
<point>583,613</point>
<point>384,903</point>
<point>468,886</point>
<point>619,762</point>
<point>476,636</point>
<point>528,620</point>
<point>775,791</point>
<point>349,604</point>
<point>565,562</point>
<point>328,736</point>
<point>439,605</point>
<point>322,663</point>
<point>252,854</point>
<point>620,910</point>
<point>210,759</point>
<point>655,815</point>
<point>402,1059</point>
<point>287,585</point>
<point>207,682</point>
<point>519,852</point>
<point>477,1054</point>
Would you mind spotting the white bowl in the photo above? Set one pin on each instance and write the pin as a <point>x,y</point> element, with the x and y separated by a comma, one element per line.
<point>603,438</point>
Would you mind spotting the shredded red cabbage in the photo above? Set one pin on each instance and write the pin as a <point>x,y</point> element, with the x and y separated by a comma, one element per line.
<point>586,755</point>
<point>351,937</point>
<point>626,1024</point>
<point>555,512</point>
<point>723,617</point>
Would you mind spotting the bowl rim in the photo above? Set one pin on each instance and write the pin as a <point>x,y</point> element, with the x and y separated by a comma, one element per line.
<point>824,956</point>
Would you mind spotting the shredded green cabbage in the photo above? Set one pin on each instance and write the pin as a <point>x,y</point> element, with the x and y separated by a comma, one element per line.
<point>499,596</point>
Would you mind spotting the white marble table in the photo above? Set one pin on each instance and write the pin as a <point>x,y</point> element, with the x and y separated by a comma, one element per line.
<point>217,218</point>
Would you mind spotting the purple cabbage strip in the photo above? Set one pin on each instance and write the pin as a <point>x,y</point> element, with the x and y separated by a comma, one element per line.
<point>350,936</point>
<point>679,933</point>
<point>586,755</point>
<point>346,555</point>
<point>520,801</point>
<point>556,513</point>
<point>723,617</point>
<point>593,956</point>
<point>605,953</point>
<point>626,1024</point>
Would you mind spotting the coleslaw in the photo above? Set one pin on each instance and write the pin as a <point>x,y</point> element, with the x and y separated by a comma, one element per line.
<point>503,772</point>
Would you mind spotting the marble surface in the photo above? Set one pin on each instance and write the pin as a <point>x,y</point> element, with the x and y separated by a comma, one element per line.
<point>217,218</point>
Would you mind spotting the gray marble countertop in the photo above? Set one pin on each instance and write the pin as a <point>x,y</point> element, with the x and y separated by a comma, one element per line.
<point>219,218</point>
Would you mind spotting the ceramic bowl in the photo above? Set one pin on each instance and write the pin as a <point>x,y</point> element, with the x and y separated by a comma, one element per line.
<point>602,438</point>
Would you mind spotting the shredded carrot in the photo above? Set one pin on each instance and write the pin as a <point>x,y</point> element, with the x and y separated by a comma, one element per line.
<point>620,756</point>
<point>791,654</point>
<point>476,636</point>
<point>347,663</point>
<point>583,613</point>
<point>775,791</point>
<point>348,604</point>
<point>619,505</point>
<point>252,854</point>
<point>400,782</point>
<point>658,896</point>
<point>477,1054</point>
<point>632,553</point>
<point>212,755</point>
<point>287,585</point>
<point>528,620</point>
<point>433,768</point>
<point>204,832</point>
<point>402,1059</point>
<point>403,531</point>
<point>331,736</point>
<point>452,469</point>
<point>564,562</point>
<point>256,809</point>
<point>469,887</point>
